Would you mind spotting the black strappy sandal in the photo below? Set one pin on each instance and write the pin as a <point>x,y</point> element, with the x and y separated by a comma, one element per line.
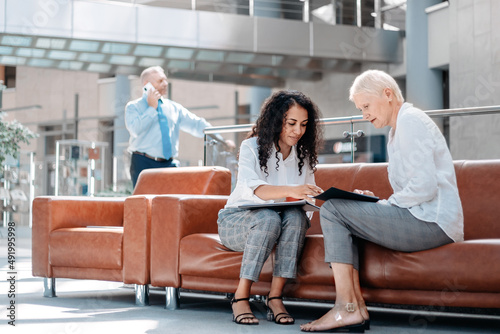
<point>277,318</point>
<point>243,316</point>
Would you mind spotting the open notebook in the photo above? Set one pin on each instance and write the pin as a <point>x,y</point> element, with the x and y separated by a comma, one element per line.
<point>307,206</point>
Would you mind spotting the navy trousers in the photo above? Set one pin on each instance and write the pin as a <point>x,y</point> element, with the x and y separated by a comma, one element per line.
<point>140,162</point>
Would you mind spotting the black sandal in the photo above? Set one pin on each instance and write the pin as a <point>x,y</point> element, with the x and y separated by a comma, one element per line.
<point>277,318</point>
<point>243,316</point>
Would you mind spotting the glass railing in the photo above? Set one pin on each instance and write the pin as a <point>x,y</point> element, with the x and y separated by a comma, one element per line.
<point>353,139</point>
<point>19,186</point>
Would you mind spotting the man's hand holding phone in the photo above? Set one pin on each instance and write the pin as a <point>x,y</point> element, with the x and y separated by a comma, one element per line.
<point>153,95</point>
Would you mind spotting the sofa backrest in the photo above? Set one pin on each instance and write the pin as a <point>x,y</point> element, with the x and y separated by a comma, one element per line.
<point>478,185</point>
<point>366,176</point>
<point>207,180</point>
<point>479,188</point>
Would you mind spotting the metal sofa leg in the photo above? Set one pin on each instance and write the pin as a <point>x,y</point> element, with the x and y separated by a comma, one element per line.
<point>142,294</point>
<point>173,300</point>
<point>49,287</point>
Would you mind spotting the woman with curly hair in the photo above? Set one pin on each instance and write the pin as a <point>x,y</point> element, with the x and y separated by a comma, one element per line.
<point>276,161</point>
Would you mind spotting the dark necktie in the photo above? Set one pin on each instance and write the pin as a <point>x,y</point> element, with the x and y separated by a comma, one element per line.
<point>165,133</point>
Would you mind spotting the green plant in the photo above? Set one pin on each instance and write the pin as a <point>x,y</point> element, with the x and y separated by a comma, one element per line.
<point>12,134</point>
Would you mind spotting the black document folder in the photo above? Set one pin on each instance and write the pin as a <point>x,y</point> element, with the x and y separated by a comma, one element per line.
<point>342,194</point>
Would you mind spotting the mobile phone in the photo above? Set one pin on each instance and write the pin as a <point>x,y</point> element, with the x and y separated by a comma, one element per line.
<point>148,86</point>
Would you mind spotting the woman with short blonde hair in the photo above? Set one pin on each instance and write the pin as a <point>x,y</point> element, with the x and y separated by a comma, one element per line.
<point>423,212</point>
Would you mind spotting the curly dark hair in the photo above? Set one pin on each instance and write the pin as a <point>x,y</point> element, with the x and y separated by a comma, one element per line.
<point>269,125</point>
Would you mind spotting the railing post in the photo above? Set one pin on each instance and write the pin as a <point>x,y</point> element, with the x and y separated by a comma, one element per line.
<point>378,14</point>
<point>305,11</point>
<point>352,142</point>
<point>251,8</point>
<point>359,16</point>
<point>334,12</point>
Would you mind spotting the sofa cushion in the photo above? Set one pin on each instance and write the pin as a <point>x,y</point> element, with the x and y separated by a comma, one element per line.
<point>203,255</point>
<point>464,266</point>
<point>85,247</point>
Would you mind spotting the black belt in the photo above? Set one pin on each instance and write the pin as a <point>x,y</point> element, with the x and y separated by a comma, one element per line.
<point>151,157</point>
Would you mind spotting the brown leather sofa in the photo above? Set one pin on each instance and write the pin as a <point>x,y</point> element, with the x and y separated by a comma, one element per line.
<point>109,238</point>
<point>186,251</point>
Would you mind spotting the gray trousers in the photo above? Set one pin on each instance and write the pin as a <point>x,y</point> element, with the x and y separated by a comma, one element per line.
<point>255,232</point>
<point>343,221</point>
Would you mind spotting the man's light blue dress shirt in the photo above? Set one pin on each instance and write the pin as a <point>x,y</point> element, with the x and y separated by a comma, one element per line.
<point>142,123</point>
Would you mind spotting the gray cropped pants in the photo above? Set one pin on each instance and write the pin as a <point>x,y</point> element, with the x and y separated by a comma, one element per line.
<point>255,232</point>
<point>344,221</point>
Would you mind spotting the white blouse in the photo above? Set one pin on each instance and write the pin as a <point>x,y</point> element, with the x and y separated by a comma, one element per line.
<point>251,176</point>
<point>421,172</point>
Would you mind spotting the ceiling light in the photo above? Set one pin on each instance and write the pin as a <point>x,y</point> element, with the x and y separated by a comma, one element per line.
<point>177,53</point>
<point>9,60</point>
<point>50,43</point>
<point>28,52</point>
<point>147,62</point>
<point>91,57</point>
<point>36,62</point>
<point>240,58</point>
<point>148,51</point>
<point>116,48</point>
<point>62,55</point>
<point>210,55</point>
<point>16,40</point>
<point>102,68</point>
<point>6,50</point>
<point>71,65</point>
<point>122,60</point>
<point>88,46</point>
<point>179,64</point>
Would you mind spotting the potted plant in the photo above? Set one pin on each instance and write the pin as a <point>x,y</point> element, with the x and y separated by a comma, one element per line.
<point>12,134</point>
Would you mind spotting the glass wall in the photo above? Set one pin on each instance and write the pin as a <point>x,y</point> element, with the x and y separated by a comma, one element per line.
<point>346,140</point>
<point>19,186</point>
<point>350,139</point>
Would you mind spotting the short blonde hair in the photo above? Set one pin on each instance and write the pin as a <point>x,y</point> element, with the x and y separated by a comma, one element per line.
<point>148,71</point>
<point>374,82</point>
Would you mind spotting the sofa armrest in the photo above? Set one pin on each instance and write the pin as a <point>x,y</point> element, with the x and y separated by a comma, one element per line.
<point>172,218</point>
<point>137,239</point>
<point>54,212</point>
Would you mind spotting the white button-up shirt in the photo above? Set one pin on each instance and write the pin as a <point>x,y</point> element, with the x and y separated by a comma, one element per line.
<point>421,172</point>
<point>251,176</point>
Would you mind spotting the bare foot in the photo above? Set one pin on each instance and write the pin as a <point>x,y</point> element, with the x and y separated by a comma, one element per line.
<point>364,310</point>
<point>239,308</point>
<point>338,316</point>
<point>277,307</point>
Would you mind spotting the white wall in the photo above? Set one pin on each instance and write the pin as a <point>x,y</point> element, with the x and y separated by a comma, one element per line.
<point>475,77</point>
<point>54,91</point>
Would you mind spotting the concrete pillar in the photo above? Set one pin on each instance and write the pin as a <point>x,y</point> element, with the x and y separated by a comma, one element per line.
<point>257,97</point>
<point>120,134</point>
<point>424,87</point>
<point>263,8</point>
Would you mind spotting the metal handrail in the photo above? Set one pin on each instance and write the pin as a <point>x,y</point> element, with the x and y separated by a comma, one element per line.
<point>359,119</point>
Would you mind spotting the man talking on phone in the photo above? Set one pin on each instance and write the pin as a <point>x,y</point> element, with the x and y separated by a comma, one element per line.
<point>154,123</point>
